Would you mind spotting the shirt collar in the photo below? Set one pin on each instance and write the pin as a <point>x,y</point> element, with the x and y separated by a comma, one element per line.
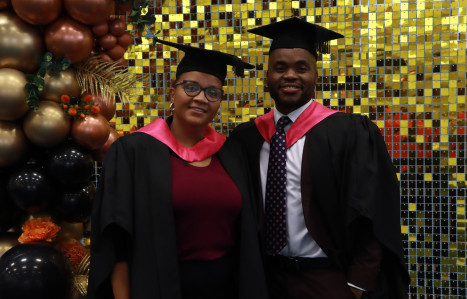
<point>292,115</point>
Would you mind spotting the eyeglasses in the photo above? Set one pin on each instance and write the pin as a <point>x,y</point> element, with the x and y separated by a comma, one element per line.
<point>192,89</point>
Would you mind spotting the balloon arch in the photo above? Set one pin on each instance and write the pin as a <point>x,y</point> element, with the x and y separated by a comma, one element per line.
<point>62,67</point>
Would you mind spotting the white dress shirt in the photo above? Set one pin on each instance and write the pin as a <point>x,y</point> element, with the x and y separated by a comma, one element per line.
<point>299,241</point>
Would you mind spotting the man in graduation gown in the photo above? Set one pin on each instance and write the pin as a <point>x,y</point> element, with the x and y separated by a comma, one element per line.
<point>328,195</point>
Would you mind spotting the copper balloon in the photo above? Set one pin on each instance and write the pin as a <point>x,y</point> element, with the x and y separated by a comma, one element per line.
<point>108,41</point>
<point>128,6</point>
<point>99,154</point>
<point>100,29</point>
<point>12,94</point>
<point>7,241</point>
<point>70,38</point>
<point>125,40</point>
<point>38,12</point>
<point>104,56</point>
<point>122,62</point>
<point>90,12</point>
<point>116,52</point>
<point>107,106</point>
<point>90,133</point>
<point>58,84</point>
<point>48,126</point>
<point>117,27</point>
<point>20,43</point>
<point>6,4</point>
<point>13,143</point>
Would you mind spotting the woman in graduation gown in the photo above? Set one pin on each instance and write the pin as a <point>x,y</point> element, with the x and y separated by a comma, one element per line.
<point>174,216</point>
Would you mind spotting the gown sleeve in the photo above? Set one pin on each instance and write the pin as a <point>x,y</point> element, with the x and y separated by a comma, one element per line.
<point>111,220</point>
<point>374,195</point>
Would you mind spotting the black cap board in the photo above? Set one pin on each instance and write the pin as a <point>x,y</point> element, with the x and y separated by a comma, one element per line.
<point>207,61</point>
<point>296,33</point>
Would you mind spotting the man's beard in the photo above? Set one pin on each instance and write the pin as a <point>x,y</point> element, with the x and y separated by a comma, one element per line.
<point>302,100</point>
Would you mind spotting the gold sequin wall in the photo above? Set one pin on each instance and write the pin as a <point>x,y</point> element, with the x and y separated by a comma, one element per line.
<point>401,63</point>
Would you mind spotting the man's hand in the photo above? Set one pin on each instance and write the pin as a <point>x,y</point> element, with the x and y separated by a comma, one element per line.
<point>356,292</point>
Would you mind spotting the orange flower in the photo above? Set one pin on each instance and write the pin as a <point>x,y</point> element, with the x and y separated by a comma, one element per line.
<point>73,250</point>
<point>65,106</point>
<point>95,109</point>
<point>88,98</point>
<point>39,229</point>
<point>86,107</point>
<point>81,115</point>
<point>65,98</point>
<point>76,106</point>
<point>72,111</point>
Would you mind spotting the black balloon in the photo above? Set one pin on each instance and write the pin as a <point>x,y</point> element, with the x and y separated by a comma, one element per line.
<point>30,188</point>
<point>75,204</point>
<point>8,211</point>
<point>35,270</point>
<point>70,164</point>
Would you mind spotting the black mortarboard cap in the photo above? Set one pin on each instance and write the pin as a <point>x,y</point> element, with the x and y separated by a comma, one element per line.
<point>207,61</point>
<point>296,33</point>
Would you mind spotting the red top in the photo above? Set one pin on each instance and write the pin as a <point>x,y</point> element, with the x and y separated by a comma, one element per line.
<point>207,205</point>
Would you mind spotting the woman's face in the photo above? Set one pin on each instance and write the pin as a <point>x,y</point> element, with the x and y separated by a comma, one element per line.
<point>195,111</point>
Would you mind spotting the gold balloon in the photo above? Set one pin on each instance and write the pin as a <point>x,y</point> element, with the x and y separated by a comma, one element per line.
<point>13,143</point>
<point>37,12</point>
<point>13,104</point>
<point>107,106</point>
<point>67,37</point>
<point>20,43</point>
<point>48,126</point>
<point>99,154</point>
<point>5,4</point>
<point>91,132</point>
<point>70,230</point>
<point>7,241</point>
<point>90,12</point>
<point>59,84</point>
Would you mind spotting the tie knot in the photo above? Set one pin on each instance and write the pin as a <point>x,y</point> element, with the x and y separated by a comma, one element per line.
<point>283,121</point>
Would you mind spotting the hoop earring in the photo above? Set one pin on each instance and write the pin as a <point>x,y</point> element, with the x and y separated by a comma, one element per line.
<point>171,107</point>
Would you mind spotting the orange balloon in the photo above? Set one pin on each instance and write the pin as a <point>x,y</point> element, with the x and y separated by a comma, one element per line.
<point>99,154</point>
<point>125,40</point>
<point>92,132</point>
<point>100,29</point>
<point>68,37</point>
<point>117,27</point>
<point>107,106</point>
<point>90,12</point>
<point>38,12</point>
<point>108,41</point>
<point>116,52</point>
<point>6,4</point>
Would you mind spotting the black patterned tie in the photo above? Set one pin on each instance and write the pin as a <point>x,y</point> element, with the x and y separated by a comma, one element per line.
<point>275,205</point>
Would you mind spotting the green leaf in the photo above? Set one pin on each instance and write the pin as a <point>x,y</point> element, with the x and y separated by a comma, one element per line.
<point>28,86</point>
<point>42,72</point>
<point>38,81</point>
<point>30,77</point>
<point>48,56</point>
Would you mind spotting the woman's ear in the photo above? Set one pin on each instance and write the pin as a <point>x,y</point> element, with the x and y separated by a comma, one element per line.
<point>171,94</point>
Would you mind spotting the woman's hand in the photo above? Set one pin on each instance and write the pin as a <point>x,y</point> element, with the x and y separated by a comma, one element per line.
<point>121,281</point>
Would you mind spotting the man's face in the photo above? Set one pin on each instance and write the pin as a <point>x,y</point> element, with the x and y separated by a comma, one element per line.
<point>292,77</point>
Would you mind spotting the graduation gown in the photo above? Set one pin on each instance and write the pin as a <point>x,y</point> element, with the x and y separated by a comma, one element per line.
<point>134,193</point>
<point>347,174</point>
